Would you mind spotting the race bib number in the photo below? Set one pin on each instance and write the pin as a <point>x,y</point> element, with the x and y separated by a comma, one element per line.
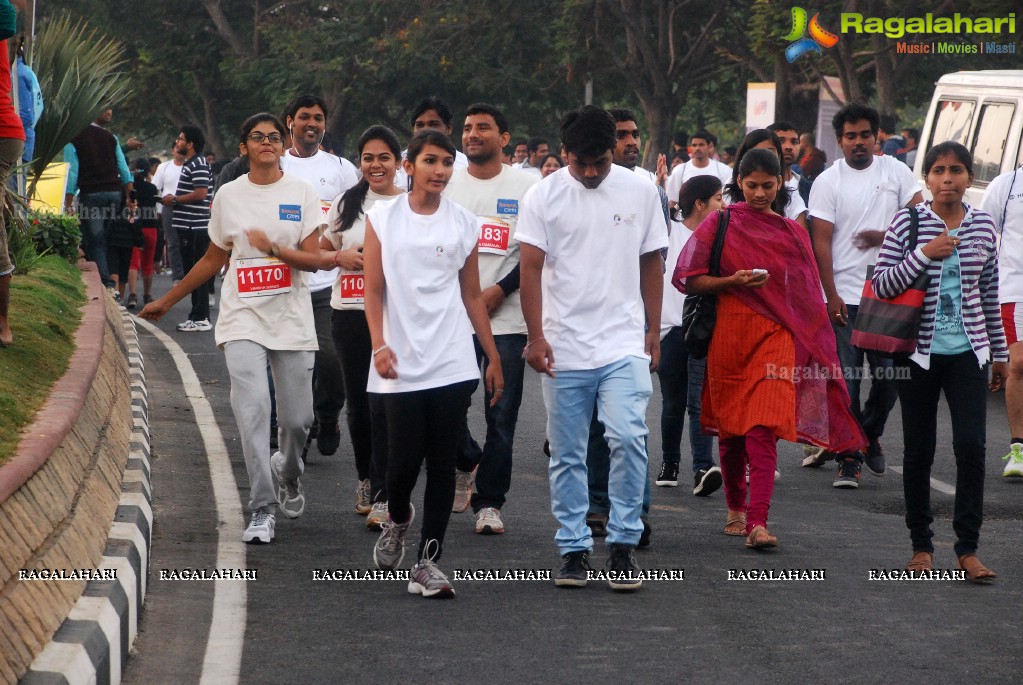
<point>353,288</point>
<point>494,234</point>
<point>262,277</point>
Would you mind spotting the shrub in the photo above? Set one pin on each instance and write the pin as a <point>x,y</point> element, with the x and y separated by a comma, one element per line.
<point>55,234</point>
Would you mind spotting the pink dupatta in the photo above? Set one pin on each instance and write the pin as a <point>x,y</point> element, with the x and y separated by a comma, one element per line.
<point>791,298</point>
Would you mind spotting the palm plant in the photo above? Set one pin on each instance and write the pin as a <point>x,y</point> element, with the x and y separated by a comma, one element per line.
<point>81,74</point>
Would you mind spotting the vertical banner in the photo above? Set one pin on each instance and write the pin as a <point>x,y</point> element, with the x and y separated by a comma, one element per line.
<point>759,105</point>
<point>826,110</point>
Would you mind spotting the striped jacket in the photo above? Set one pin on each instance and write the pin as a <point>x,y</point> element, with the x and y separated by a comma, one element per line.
<point>895,270</point>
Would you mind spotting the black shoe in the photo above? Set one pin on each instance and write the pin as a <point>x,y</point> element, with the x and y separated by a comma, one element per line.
<point>668,477</point>
<point>644,538</point>
<point>707,481</point>
<point>597,524</point>
<point>875,458</point>
<point>848,473</point>
<point>624,573</point>
<point>575,570</point>
<point>131,302</point>
<point>547,448</point>
<point>273,438</point>
<point>328,439</point>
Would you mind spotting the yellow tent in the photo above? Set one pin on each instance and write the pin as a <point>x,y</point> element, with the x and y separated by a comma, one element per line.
<point>49,194</point>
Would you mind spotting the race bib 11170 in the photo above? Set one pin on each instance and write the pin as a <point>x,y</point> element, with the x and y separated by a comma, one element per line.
<point>262,277</point>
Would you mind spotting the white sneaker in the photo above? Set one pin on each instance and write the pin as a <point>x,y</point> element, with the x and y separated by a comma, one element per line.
<point>362,501</point>
<point>203,325</point>
<point>464,481</point>
<point>261,529</point>
<point>186,326</point>
<point>290,497</point>
<point>1014,467</point>
<point>488,521</point>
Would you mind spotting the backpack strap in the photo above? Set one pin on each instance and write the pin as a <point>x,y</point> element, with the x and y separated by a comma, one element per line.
<point>719,242</point>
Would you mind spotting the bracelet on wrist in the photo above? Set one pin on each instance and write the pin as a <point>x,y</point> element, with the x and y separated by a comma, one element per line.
<point>380,349</point>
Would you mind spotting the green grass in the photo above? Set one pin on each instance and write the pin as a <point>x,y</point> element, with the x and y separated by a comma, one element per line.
<point>44,317</point>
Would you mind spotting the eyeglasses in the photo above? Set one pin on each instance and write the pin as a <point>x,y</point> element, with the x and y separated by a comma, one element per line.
<point>259,137</point>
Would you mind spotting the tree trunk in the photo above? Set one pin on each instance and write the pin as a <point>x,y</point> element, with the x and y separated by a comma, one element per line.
<point>660,117</point>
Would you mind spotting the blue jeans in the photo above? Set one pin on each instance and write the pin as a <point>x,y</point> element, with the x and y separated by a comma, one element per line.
<point>598,470</point>
<point>493,479</point>
<point>681,389</point>
<point>97,212</point>
<point>621,391</point>
<point>873,414</point>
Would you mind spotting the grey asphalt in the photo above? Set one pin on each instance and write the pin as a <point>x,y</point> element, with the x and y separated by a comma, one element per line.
<point>705,628</point>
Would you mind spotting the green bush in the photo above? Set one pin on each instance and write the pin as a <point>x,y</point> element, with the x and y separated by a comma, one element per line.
<point>55,234</point>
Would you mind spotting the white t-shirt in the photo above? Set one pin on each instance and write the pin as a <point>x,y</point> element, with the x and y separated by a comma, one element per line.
<point>166,180</point>
<point>795,205</point>
<point>648,175</point>
<point>495,202</point>
<point>1007,210</point>
<point>401,178</point>
<point>854,201</point>
<point>673,301</point>
<point>349,286</point>
<point>684,172</point>
<point>593,311</point>
<point>288,211</point>
<point>425,323</point>
<point>330,178</point>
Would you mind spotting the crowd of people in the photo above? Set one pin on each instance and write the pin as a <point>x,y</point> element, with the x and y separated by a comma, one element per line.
<point>391,287</point>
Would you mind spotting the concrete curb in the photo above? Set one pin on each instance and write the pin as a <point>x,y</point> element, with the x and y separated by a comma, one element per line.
<point>93,644</point>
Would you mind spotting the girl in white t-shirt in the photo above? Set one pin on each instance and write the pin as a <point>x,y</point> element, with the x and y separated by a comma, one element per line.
<point>265,227</point>
<point>422,294</point>
<point>379,152</point>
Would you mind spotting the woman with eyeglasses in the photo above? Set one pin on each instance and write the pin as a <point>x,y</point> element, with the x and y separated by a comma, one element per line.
<point>265,226</point>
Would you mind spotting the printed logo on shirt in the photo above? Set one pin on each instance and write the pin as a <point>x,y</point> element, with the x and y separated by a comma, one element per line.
<point>290,212</point>
<point>507,207</point>
<point>628,220</point>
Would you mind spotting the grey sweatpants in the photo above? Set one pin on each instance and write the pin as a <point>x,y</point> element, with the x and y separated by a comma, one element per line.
<point>250,400</point>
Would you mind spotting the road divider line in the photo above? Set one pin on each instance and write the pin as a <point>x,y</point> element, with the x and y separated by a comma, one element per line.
<point>222,662</point>
<point>935,483</point>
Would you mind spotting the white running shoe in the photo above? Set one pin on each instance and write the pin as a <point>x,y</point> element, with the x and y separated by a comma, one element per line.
<point>377,516</point>
<point>464,481</point>
<point>488,521</point>
<point>186,326</point>
<point>1014,467</point>
<point>362,501</point>
<point>203,325</point>
<point>261,529</point>
<point>290,496</point>
<point>390,548</point>
<point>426,579</point>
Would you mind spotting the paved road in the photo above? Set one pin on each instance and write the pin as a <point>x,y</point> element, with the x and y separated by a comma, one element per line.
<point>706,628</point>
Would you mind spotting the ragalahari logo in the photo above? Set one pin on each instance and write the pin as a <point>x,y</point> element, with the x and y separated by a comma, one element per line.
<point>819,37</point>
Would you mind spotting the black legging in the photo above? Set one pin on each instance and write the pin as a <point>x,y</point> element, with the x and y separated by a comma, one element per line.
<point>424,425</point>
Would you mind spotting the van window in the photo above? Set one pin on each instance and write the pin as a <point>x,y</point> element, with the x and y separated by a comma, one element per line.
<point>952,121</point>
<point>989,142</point>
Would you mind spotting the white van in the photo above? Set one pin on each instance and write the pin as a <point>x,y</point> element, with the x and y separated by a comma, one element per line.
<point>983,110</point>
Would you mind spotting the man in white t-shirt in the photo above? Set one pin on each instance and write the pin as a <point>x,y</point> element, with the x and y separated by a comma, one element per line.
<point>306,121</point>
<point>431,113</point>
<point>492,191</point>
<point>788,134</point>
<point>166,181</point>
<point>1004,202</point>
<point>590,239</point>
<point>851,205</point>
<point>701,143</point>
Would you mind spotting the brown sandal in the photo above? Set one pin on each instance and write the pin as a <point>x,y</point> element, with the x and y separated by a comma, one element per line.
<point>921,562</point>
<point>759,538</point>
<point>976,572</point>
<point>735,524</point>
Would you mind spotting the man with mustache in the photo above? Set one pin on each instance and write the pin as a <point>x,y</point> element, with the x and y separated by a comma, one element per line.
<point>851,205</point>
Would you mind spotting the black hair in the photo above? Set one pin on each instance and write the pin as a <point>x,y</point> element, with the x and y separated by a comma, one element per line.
<point>251,122</point>
<point>680,138</point>
<point>730,150</point>
<point>328,143</point>
<point>750,142</point>
<point>621,114</point>
<point>886,123</point>
<point>705,135</point>
<point>520,141</point>
<point>701,188</point>
<point>853,113</point>
<point>508,151</point>
<point>426,137</point>
<point>783,126</point>
<point>436,104</point>
<point>305,101</point>
<point>534,143</point>
<point>913,133</point>
<point>555,155</point>
<point>760,159</point>
<point>948,146</point>
<point>194,136</point>
<point>588,131</point>
<point>483,108</point>
<point>355,197</point>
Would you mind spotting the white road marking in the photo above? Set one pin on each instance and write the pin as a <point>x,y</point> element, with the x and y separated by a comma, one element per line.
<point>935,483</point>
<point>222,663</point>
